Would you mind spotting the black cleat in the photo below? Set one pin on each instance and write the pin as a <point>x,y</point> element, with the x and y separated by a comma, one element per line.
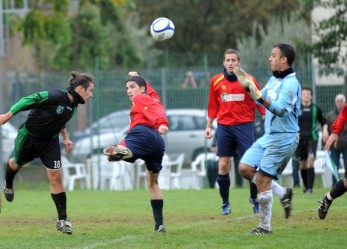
<point>324,207</point>
<point>286,202</point>
<point>64,226</point>
<point>259,231</point>
<point>9,193</point>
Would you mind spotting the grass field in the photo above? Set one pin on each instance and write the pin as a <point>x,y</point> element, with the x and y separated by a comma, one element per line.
<point>105,219</point>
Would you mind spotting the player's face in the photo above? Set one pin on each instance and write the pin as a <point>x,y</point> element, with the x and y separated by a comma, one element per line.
<point>276,60</point>
<point>133,89</point>
<point>306,96</point>
<point>87,93</point>
<point>230,61</point>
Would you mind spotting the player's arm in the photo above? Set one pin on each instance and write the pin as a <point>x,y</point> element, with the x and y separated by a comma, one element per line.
<point>322,120</point>
<point>29,102</point>
<point>337,127</point>
<point>68,144</point>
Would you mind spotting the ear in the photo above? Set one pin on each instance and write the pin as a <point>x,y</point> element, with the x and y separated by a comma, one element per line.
<point>142,89</point>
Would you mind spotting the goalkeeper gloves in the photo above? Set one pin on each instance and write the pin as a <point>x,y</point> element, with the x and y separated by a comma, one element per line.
<point>247,83</point>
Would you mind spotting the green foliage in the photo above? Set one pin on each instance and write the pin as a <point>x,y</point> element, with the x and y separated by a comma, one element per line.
<point>331,35</point>
<point>123,219</point>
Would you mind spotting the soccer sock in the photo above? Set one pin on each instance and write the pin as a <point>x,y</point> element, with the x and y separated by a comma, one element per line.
<point>253,190</point>
<point>310,178</point>
<point>277,189</point>
<point>304,177</point>
<point>224,185</point>
<point>157,207</point>
<point>9,176</point>
<point>60,203</point>
<point>265,209</point>
<point>337,190</point>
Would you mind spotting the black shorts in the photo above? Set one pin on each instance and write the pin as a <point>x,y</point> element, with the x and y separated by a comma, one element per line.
<point>27,148</point>
<point>305,148</point>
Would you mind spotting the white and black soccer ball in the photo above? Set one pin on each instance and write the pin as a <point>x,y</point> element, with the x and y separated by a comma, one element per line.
<point>162,29</point>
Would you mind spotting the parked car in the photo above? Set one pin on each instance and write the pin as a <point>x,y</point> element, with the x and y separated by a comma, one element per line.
<point>186,134</point>
<point>9,133</point>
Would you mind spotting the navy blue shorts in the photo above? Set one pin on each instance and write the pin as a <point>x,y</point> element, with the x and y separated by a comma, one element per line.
<point>147,144</point>
<point>234,140</point>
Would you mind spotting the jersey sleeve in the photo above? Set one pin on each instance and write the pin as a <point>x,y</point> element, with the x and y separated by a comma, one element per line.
<point>213,105</point>
<point>320,116</point>
<point>339,124</point>
<point>29,102</point>
<point>152,110</point>
<point>152,92</point>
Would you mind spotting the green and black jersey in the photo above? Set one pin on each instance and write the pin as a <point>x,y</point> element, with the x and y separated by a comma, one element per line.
<point>50,111</point>
<point>308,119</point>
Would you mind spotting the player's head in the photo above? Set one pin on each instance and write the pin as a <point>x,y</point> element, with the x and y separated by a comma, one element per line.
<point>134,86</point>
<point>282,57</point>
<point>231,59</point>
<point>340,101</point>
<point>306,95</point>
<point>81,87</point>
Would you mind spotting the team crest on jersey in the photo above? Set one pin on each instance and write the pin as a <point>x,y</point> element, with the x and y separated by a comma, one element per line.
<point>60,109</point>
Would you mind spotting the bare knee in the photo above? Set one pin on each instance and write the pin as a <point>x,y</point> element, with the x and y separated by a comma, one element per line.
<point>13,165</point>
<point>224,165</point>
<point>246,171</point>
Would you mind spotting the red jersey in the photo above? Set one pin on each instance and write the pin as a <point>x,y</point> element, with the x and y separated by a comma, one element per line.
<point>339,124</point>
<point>147,111</point>
<point>230,103</point>
<point>152,93</point>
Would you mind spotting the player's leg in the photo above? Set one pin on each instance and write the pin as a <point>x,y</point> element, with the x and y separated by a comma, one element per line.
<point>223,181</point>
<point>157,201</point>
<point>117,152</point>
<point>50,157</point>
<point>336,191</point>
<point>23,153</point>
<point>312,148</point>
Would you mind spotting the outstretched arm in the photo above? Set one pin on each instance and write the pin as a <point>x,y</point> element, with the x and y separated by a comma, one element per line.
<point>4,118</point>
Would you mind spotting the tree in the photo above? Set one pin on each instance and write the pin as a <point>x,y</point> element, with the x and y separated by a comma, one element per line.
<point>330,37</point>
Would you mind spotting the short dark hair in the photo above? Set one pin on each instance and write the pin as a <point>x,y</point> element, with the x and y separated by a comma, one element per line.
<point>232,51</point>
<point>307,88</point>
<point>287,51</point>
<point>77,79</point>
<point>138,80</point>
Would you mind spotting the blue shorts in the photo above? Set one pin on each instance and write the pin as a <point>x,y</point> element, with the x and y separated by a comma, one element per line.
<point>271,153</point>
<point>147,144</point>
<point>234,140</point>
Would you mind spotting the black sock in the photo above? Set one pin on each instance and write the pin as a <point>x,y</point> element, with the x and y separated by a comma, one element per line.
<point>157,207</point>
<point>9,176</point>
<point>304,177</point>
<point>338,189</point>
<point>60,203</point>
<point>224,185</point>
<point>310,178</point>
<point>253,190</point>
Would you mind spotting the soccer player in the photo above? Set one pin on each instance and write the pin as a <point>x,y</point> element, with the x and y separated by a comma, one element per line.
<point>235,111</point>
<point>340,187</point>
<point>269,155</point>
<point>310,115</point>
<point>147,123</point>
<point>38,136</point>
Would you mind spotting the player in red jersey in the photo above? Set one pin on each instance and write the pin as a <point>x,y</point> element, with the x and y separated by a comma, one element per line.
<point>147,123</point>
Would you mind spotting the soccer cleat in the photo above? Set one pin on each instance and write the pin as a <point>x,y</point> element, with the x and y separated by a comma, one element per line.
<point>255,204</point>
<point>64,226</point>
<point>259,231</point>
<point>160,229</point>
<point>116,153</point>
<point>324,207</point>
<point>226,209</point>
<point>286,202</point>
<point>9,193</point>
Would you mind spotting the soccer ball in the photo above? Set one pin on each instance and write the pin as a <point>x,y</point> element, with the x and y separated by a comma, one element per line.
<point>162,29</point>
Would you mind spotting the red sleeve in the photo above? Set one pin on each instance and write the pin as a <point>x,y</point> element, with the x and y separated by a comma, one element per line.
<point>153,112</point>
<point>213,105</point>
<point>152,93</point>
<point>260,108</point>
<point>339,124</point>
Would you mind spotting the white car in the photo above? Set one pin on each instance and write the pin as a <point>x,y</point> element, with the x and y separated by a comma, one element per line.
<point>186,134</point>
<point>9,133</point>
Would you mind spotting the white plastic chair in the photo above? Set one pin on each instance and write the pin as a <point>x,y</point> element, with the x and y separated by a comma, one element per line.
<point>320,168</point>
<point>73,172</point>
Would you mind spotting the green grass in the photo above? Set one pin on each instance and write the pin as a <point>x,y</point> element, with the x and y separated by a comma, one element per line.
<point>106,219</point>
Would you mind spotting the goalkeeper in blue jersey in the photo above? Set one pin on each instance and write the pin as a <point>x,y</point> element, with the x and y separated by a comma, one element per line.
<point>268,156</point>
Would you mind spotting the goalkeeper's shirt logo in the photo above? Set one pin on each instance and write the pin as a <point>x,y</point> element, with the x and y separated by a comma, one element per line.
<point>60,109</point>
<point>232,97</point>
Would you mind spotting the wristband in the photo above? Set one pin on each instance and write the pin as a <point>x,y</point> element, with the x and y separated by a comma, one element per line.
<point>261,101</point>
